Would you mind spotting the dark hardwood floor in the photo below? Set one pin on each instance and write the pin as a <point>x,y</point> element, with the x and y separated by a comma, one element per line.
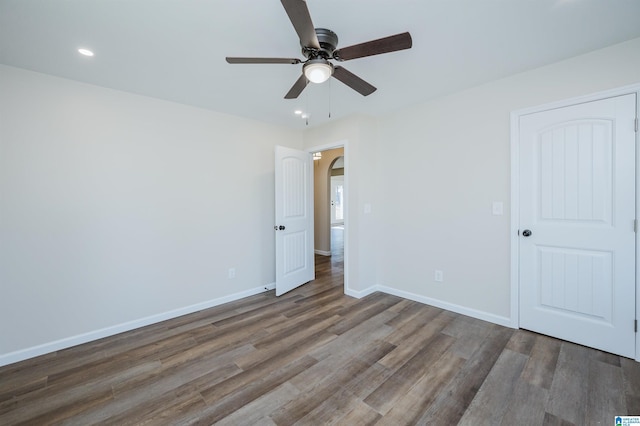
<point>316,356</point>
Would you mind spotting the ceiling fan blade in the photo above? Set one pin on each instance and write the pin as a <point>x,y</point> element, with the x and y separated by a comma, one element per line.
<point>297,88</point>
<point>374,47</point>
<point>301,20</point>
<point>353,81</point>
<point>233,60</point>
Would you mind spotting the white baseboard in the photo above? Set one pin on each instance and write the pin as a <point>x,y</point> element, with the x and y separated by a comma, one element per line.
<point>68,342</point>
<point>23,354</point>
<point>323,252</point>
<point>481,315</point>
<point>362,293</point>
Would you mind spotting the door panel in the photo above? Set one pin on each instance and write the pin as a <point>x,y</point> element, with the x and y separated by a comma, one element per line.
<point>294,244</point>
<point>294,219</point>
<point>577,197</point>
<point>576,281</point>
<point>576,179</point>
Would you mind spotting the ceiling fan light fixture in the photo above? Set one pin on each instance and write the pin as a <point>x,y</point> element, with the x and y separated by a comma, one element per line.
<point>319,45</point>
<point>318,70</point>
<point>85,52</point>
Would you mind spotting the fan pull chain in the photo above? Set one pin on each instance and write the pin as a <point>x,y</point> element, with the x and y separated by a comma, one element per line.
<point>306,101</point>
<point>329,97</point>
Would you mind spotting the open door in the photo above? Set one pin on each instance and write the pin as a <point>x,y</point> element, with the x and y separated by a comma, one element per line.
<point>294,219</point>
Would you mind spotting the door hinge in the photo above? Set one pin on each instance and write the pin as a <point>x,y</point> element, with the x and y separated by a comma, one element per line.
<point>635,225</point>
<point>636,124</point>
<point>635,326</point>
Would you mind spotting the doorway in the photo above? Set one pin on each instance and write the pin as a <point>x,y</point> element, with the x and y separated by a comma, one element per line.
<point>337,212</point>
<point>330,192</point>
<point>337,192</point>
<point>303,215</point>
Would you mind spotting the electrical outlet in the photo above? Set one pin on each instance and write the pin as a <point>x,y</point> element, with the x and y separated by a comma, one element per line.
<point>438,276</point>
<point>232,273</point>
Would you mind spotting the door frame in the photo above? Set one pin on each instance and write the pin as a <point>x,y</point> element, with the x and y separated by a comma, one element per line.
<point>345,145</point>
<point>515,192</point>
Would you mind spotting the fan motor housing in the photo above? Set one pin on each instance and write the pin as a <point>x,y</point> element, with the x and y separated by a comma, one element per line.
<point>328,41</point>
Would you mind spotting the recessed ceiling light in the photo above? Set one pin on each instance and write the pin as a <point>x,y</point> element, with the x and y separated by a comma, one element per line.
<point>297,112</point>
<point>85,52</point>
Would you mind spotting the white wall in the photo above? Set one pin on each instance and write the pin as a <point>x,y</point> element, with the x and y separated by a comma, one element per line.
<point>358,135</point>
<point>115,208</point>
<point>451,160</point>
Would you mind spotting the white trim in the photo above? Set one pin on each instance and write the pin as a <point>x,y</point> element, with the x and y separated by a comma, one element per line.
<point>359,294</point>
<point>637,232</point>
<point>328,146</point>
<point>620,91</point>
<point>462,310</point>
<point>473,313</point>
<point>515,220</point>
<point>515,201</point>
<point>346,205</point>
<point>323,252</point>
<point>79,339</point>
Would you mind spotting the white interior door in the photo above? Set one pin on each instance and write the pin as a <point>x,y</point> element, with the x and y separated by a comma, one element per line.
<point>577,206</point>
<point>294,219</point>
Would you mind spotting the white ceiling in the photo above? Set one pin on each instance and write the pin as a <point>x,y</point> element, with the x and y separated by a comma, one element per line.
<point>175,49</point>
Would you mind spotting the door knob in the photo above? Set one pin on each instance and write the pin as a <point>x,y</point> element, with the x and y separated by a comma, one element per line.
<point>281,227</point>
<point>526,233</point>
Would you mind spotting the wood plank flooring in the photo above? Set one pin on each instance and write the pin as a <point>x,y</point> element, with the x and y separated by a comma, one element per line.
<point>316,356</point>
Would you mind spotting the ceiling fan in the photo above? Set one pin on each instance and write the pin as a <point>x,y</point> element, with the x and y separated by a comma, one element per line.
<point>319,45</point>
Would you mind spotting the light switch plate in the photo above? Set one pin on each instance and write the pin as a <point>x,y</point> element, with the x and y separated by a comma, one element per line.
<point>498,208</point>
